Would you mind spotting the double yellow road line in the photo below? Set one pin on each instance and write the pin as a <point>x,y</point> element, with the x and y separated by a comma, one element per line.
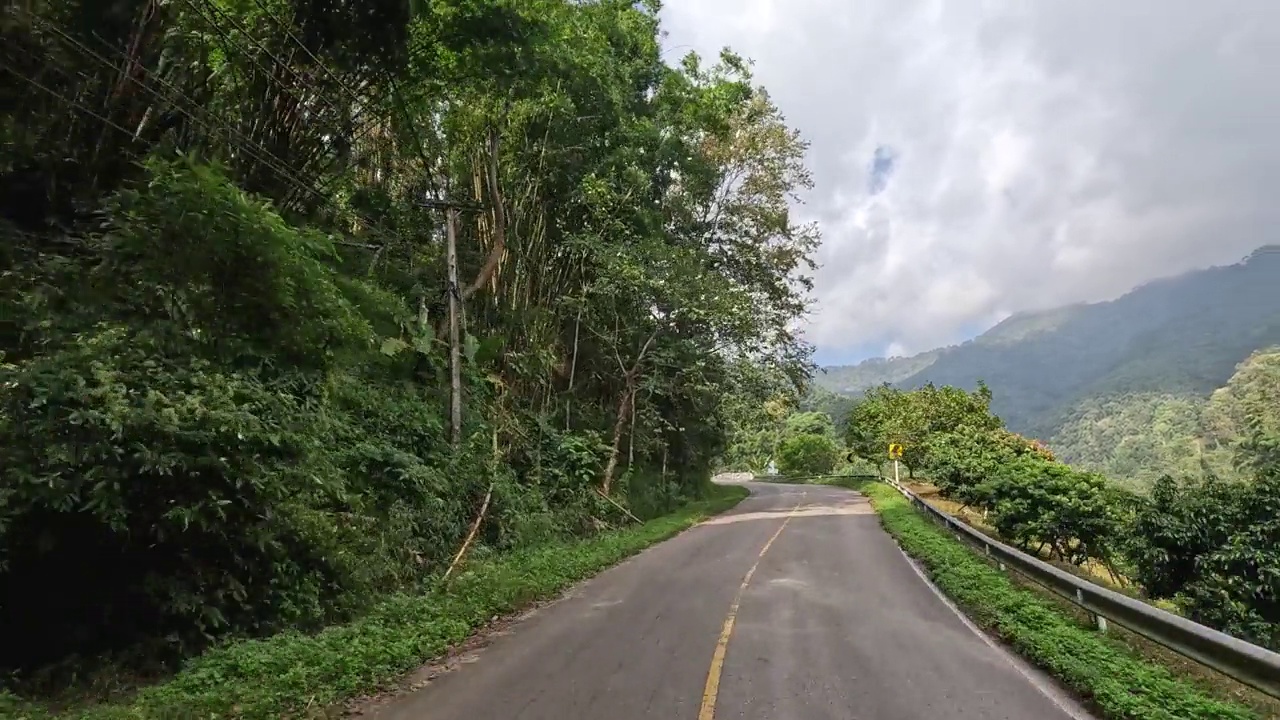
<point>708,709</point>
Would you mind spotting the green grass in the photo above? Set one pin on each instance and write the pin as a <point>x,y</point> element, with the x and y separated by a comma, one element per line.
<point>1111,677</point>
<point>295,675</point>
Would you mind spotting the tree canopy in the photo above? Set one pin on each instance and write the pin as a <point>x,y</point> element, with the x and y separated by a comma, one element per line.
<point>293,289</point>
<point>1206,545</point>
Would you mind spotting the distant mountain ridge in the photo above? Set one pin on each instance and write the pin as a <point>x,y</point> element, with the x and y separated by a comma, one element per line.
<point>853,379</point>
<point>1181,336</point>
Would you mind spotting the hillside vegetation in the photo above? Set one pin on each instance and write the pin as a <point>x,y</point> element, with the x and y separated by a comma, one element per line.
<point>303,303</point>
<point>853,379</point>
<point>1137,438</point>
<point>1202,544</point>
<point>1117,386</point>
<point>1206,545</point>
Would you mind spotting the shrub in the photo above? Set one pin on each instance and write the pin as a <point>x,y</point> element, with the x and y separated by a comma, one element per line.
<point>806,455</point>
<point>1207,545</point>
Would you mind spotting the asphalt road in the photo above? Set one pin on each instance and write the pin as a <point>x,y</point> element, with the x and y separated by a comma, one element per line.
<point>794,606</point>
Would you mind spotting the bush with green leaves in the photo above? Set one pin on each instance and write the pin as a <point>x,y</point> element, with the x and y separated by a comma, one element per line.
<point>1118,683</point>
<point>809,423</point>
<point>806,455</point>
<point>210,438</point>
<point>1042,504</point>
<point>1206,545</point>
<point>1210,546</point>
<point>964,464</point>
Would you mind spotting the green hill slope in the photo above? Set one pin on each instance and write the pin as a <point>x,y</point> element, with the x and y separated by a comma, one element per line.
<point>853,379</point>
<point>1072,375</point>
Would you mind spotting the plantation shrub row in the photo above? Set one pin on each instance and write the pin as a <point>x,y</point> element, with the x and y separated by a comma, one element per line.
<point>1211,547</point>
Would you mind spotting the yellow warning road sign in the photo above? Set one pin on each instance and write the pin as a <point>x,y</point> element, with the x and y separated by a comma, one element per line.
<point>895,451</point>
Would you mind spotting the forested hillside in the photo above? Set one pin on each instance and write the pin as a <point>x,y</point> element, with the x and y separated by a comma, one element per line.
<point>1207,546</point>
<point>295,294</point>
<point>1138,365</point>
<point>853,379</point>
<point>1139,437</point>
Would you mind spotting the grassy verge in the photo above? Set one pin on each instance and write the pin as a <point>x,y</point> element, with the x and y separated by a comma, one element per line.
<point>1116,682</point>
<point>294,675</point>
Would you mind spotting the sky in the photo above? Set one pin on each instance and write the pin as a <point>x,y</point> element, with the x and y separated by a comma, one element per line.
<point>977,158</point>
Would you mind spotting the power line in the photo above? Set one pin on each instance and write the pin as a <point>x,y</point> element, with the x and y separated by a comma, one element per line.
<point>284,26</point>
<point>69,101</point>
<point>269,160</point>
<point>357,134</point>
<point>212,22</point>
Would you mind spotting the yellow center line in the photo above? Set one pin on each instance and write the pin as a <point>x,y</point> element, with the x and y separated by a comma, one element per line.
<point>708,709</point>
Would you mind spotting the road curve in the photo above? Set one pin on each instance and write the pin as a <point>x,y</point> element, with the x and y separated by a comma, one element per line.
<point>830,621</point>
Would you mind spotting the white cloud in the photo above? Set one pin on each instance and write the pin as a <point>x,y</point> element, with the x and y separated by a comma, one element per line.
<point>1044,153</point>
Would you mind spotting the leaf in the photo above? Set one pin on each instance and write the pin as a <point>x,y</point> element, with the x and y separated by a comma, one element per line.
<point>423,341</point>
<point>393,346</point>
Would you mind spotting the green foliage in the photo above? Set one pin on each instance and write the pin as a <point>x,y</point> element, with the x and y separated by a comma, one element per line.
<point>1209,546</point>
<point>756,411</point>
<point>1036,501</point>
<point>190,250</point>
<point>224,308</point>
<point>1204,544</point>
<point>809,423</point>
<point>291,672</point>
<point>967,464</point>
<point>1137,438</point>
<point>806,454</point>
<point>835,406</point>
<point>1118,683</point>
<point>913,419</point>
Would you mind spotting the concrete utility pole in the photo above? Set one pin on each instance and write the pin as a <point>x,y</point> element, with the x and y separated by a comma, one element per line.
<point>455,312</point>
<point>455,350</point>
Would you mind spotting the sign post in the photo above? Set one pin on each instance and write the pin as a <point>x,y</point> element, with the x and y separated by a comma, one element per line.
<point>895,452</point>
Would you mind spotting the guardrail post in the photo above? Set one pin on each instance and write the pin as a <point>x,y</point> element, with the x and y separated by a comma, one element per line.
<point>1098,621</point>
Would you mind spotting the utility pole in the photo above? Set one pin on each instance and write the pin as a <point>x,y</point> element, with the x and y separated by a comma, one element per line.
<point>455,311</point>
<point>455,351</point>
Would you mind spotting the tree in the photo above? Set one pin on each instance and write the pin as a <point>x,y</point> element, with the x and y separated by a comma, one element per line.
<point>806,454</point>
<point>757,404</point>
<point>810,423</point>
<point>912,418</point>
<point>1203,544</point>
<point>224,321</point>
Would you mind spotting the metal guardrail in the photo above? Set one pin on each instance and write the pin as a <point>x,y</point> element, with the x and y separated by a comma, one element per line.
<point>801,478</point>
<point>1247,663</point>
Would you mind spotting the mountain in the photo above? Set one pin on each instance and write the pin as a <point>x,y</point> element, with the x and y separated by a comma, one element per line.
<point>853,379</point>
<point>1166,345</point>
<point>1139,437</point>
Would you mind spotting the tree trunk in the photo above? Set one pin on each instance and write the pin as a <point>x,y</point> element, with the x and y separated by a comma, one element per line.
<point>625,403</point>
<point>499,221</point>
<point>573,369</point>
<point>619,425</point>
<point>471,534</point>
<point>631,439</point>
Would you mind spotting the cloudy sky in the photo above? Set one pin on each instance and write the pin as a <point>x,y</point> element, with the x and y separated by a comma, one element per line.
<point>978,158</point>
